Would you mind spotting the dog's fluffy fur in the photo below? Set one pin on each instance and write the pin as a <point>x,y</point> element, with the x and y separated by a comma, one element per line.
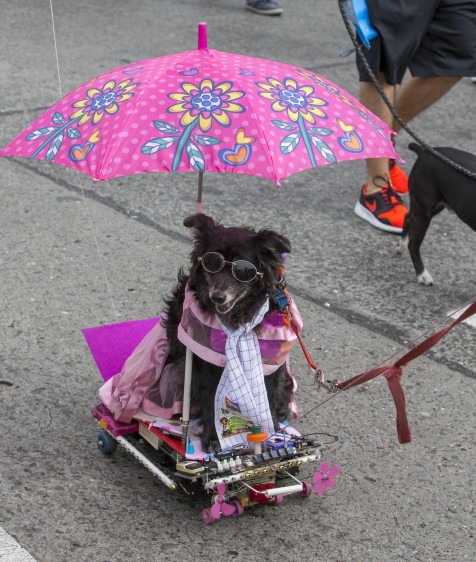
<point>434,186</point>
<point>236,303</point>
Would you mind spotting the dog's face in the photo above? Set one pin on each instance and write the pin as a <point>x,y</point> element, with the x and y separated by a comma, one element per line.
<point>222,283</point>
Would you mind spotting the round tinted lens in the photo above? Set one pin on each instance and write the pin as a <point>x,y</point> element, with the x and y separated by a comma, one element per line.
<point>213,262</point>
<point>244,270</point>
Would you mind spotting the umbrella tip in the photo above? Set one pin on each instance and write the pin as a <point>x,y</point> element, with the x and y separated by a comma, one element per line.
<point>202,36</point>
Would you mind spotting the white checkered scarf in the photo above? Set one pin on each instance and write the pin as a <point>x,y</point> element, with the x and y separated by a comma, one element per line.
<point>242,380</point>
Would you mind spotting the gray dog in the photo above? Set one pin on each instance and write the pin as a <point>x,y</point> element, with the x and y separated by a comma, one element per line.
<point>433,187</point>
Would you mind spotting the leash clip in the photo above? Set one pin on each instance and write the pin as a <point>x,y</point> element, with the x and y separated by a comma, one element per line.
<point>330,386</point>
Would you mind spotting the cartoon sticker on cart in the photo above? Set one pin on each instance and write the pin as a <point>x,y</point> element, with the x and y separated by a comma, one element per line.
<point>232,421</point>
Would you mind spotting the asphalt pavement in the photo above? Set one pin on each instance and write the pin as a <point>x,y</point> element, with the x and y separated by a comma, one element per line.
<point>60,498</point>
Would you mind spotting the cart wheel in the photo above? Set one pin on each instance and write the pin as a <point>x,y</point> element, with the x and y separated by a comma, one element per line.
<point>277,500</point>
<point>106,443</point>
<point>207,516</point>
<point>238,508</point>
<point>306,490</point>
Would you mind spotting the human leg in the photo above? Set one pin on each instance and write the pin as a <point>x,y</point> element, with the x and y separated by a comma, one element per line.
<point>378,203</point>
<point>418,93</point>
<point>414,96</point>
<point>373,101</point>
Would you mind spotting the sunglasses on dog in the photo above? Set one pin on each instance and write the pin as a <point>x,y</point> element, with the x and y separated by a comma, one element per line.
<point>242,270</point>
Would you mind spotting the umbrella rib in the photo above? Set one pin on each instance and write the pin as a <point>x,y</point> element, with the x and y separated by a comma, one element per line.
<point>268,151</point>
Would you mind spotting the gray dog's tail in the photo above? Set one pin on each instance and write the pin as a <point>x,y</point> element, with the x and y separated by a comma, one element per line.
<point>416,147</point>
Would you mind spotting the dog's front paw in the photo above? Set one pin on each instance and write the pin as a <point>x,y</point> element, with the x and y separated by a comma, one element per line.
<point>196,426</point>
<point>281,415</point>
<point>211,446</point>
<point>209,439</point>
<point>425,278</point>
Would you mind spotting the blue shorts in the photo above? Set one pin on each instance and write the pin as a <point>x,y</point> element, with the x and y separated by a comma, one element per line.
<point>428,37</point>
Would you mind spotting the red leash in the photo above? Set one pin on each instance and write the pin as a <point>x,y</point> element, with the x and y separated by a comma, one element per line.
<point>393,373</point>
<point>282,298</point>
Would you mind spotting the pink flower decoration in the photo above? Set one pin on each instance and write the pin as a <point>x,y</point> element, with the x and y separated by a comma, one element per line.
<point>221,507</point>
<point>325,478</point>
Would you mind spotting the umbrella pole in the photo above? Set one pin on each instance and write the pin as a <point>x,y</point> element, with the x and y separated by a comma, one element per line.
<point>198,206</point>
<point>187,385</point>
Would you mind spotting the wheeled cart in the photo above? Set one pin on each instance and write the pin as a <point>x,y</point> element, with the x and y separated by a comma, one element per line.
<point>261,473</point>
<point>235,479</point>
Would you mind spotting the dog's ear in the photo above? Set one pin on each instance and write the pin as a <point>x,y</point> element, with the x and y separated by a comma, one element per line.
<point>277,241</point>
<point>203,225</point>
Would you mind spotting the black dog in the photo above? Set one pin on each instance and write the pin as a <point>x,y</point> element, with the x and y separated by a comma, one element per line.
<point>235,301</point>
<point>435,185</point>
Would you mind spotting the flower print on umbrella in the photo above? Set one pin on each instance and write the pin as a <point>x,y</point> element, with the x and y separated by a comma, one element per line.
<point>296,100</point>
<point>94,107</point>
<point>303,109</point>
<point>99,102</point>
<point>347,99</point>
<point>206,102</point>
<point>200,106</point>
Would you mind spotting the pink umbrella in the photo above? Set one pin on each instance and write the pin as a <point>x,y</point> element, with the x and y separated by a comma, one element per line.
<point>204,111</point>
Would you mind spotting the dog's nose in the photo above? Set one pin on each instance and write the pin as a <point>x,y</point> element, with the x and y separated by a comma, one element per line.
<point>218,297</point>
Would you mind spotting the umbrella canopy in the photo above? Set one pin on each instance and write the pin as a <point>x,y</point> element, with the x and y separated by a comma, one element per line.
<point>204,111</point>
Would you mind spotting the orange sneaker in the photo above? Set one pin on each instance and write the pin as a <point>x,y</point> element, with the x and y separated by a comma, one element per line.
<point>398,178</point>
<point>383,209</point>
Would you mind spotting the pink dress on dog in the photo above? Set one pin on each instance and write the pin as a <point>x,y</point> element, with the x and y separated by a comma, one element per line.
<point>145,381</point>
